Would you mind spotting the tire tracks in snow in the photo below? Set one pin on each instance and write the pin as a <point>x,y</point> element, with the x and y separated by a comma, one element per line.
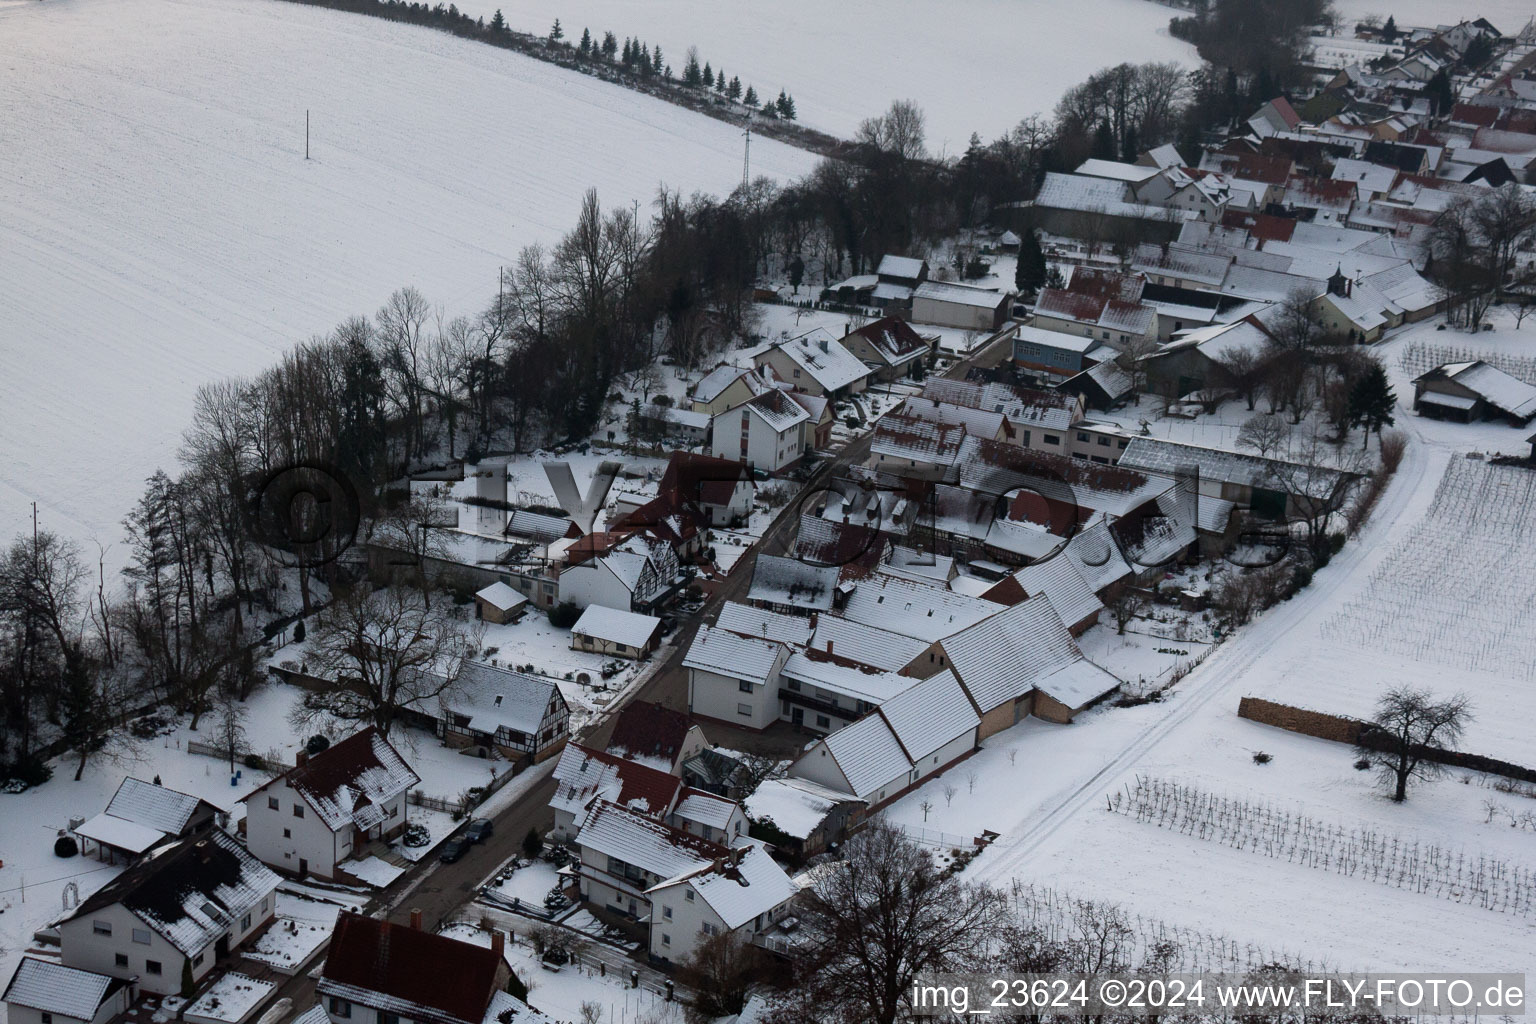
<point>1219,674</point>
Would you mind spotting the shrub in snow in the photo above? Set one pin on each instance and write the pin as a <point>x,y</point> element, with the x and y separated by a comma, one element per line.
<point>316,744</point>
<point>65,846</point>
<point>564,615</point>
<point>1259,757</point>
<point>1363,765</point>
<point>415,835</point>
<point>255,762</point>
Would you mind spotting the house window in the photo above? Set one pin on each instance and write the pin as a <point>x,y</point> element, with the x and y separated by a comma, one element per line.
<point>340,1007</point>
<point>1123,443</point>
<point>666,913</point>
<point>708,929</point>
<point>666,940</point>
<point>688,895</point>
<point>744,709</point>
<point>272,803</point>
<point>1082,436</point>
<point>101,927</point>
<point>1104,442</point>
<point>1051,438</point>
<point>45,1017</point>
<point>245,922</point>
<point>794,684</point>
<point>823,722</point>
<point>388,1018</point>
<point>120,959</point>
<point>153,967</point>
<point>744,685</point>
<point>298,810</point>
<point>197,960</point>
<point>287,833</point>
<point>141,936</point>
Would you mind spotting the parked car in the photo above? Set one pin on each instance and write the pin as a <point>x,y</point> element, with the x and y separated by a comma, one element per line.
<point>452,850</point>
<point>479,830</point>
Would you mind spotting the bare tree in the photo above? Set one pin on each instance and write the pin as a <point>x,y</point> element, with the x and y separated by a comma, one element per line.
<point>1126,605</point>
<point>413,530</point>
<point>388,653</point>
<point>950,789</point>
<point>720,971</point>
<point>1241,369</point>
<point>877,919</point>
<point>1408,723</point>
<point>231,727</point>
<point>1264,433</point>
<point>899,131</point>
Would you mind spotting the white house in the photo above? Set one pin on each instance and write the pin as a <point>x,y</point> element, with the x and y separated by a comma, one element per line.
<point>959,305</point>
<point>817,364</point>
<point>634,575</point>
<point>733,678</point>
<point>584,776</point>
<point>523,717</point>
<point>745,894</point>
<point>603,630</point>
<point>44,992</point>
<point>324,809</point>
<point>769,432</point>
<point>623,854</point>
<point>189,903</point>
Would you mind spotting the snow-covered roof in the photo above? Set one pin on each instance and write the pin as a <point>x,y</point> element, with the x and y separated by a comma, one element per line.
<point>705,808</point>
<point>1500,390</point>
<point>1111,380</point>
<point>1097,557</point>
<point>981,422</point>
<point>351,782</point>
<point>732,655</point>
<point>900,435</point>
<point>789,581</point>
<point>583,775</point>
<point>496,698</point>
<point>501,597</point>
<point>925,611</point>
<point>1027,406</point>
<point>749,620</point>
<point>871,686</point>
<point>865,644</point>
<point>1166,458</point>
<point>616,625</point>
<point>890,291</point>
<point>824,359</point>
<point>899,266</point>
<point>119,833</point>
<point>1218,341</point>
<point>141,814</point>
<point>1049,339</point>
<point>1003,657</point>
<point>745,885</point>
<point>1096,310</point>
<point>716,381</point>
<point>189,892</point>
<point>646,843</point>
<point>795,806</point>
<point>959,294</point>
<point>927,716</point>
<point>867,753</point>
<point>894,340</point>
<point>1098,195</point>
<point>1115,170</point>
<point>1060,580</point>
<point>1183,261</point>
<point>1076,683</point>
<point>56,989</point>
<point>775,408</point>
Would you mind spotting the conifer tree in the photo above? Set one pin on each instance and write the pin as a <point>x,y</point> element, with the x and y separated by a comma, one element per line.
<point>1371,402</point>
<point>734,89</point>
<point>750,99</point>
<point>785,105</point>
<point>498,23</point>
<point>585,46</point>
<point>1030,274</point>
<point>709,76</point>
<point>610,45</point>
<point>556,33</point>
<point>656,64</point>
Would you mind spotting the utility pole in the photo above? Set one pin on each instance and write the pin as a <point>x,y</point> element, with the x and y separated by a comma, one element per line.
<point>746,158</point>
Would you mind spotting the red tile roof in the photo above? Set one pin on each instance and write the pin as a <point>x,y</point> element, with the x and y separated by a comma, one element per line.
<point>455,978</point>
<point>1262,226</point>
<point>893,338</point>
<point>649,730</point>
<point>1106,284</point>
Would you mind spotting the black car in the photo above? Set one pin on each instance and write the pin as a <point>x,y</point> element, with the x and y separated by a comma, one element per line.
<point>479,830</point>
<point>452,850</point>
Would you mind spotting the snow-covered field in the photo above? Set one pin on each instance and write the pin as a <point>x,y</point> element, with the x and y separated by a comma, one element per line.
<point>1508,16</point>
<point>160,227</point>
<point>972,65</point>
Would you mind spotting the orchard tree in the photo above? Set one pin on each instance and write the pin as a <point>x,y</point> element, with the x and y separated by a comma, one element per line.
<point>1408,722</point>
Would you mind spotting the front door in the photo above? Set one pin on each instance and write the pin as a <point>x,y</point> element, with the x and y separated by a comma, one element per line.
<point>221,948</point>
<point>797,716</point>
<point>303,867</point>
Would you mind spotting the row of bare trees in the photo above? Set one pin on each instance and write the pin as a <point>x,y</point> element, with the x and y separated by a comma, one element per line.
<point>1475,247</point>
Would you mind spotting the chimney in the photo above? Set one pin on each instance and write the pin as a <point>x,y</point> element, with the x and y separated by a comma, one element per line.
<point>301,759</point>
<point>498,944</point>
<point>829,645</point>
<point>823,343</point>
<point>416,918</point>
